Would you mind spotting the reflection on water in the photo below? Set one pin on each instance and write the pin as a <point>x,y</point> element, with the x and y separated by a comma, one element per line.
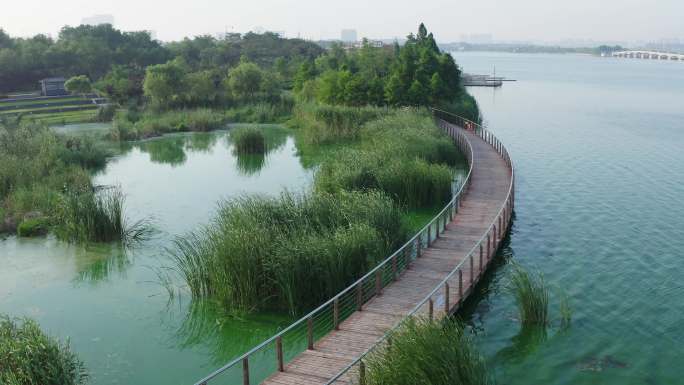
<point>251,164</point>
<point>109,301</point>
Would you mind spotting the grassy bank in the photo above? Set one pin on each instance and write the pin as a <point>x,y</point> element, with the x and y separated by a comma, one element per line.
<point>429,353</point>
<point>28,356</point>
<point>290,252</point>
<point>45,184</point>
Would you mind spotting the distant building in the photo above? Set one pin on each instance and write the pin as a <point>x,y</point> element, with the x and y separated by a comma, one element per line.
<point>98,19</point>
<point>53,87</point>
<point>348,35</point>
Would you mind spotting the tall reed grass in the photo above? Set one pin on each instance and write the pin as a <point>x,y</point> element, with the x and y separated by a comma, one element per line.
<point>133,126</point>
<point>424,352</point>
<point>98,217</point>
<point>291,252</point>
<point>248,140</point>
<point>531,296</point>
<point>28,356</point>
<point>325,123</point>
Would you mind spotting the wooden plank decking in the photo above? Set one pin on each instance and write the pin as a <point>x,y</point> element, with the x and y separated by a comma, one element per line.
<point>490,181</point>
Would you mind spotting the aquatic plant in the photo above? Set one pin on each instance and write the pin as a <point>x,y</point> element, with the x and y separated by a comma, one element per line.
<point>86,216</point>
<point>430,353</point>
<point>531,296</point>
<point>325,123</point>
<point>132,125</point>
<point>28,356</point>
<point>248,140</point>
<point>289,252</point>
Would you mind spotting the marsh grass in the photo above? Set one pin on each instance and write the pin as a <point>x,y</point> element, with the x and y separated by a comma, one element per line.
<point>325,123</point>
<point>287,253</point>
<point>248,140</point>
<point>129,125</point>
<point>424,352</point>
<point>99,217</point>
<point>28,356</point>
<point>531,296</point>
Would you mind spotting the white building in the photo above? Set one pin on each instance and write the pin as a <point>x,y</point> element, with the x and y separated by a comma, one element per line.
<point>348,35</point>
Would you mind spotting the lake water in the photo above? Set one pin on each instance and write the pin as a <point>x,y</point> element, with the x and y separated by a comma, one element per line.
<point>109,301</point>
<point>598,149</point>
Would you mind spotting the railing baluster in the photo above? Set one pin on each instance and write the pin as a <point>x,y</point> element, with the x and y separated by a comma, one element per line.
<point>480,259</point>
<point>394,267</point>
<point>447,308</point>
<point>460,285</point>
<point>472,281</point>
<point>431,305</point>
<point>309,333</point>
<point>362,373</point>
<point>279,353</point>
<point>359,296</point>
<point>245,371</point>
<point>336,313</point>
<point>378,282</point>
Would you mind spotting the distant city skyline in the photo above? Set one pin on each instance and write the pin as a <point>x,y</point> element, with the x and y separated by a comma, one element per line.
<point>521,21</point>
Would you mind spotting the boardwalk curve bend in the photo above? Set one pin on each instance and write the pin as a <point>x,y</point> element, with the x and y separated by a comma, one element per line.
<point>431,276</point>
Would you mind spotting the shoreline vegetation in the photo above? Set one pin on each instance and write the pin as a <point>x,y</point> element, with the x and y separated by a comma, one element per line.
<point>360,116</point>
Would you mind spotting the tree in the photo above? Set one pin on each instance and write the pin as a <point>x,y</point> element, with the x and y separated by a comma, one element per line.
<point>201,88</point>
<point>78,85</point>
<point>165,84</point>
<point>244,81</point>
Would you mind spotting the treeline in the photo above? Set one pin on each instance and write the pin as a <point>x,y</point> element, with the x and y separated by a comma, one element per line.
<point>119,58</point>
<point>415,74</point>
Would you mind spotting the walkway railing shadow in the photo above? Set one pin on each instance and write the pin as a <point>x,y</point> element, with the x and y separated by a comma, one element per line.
<point>272,355</point>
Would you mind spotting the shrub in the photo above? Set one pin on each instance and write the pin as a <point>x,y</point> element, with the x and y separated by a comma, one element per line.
<point>28,356</point>
<point>33,227</point>
<point>426,352</point>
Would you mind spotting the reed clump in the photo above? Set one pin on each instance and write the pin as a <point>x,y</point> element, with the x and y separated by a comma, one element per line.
<point>248,140</point>
<point>87,216</point>
<point>131,125</point>
<point>291,252</point>
<point>402,154</point>
<point>28,356</point>
<point>531,296</point>
<point>327,123</point>
<point>424,352</point>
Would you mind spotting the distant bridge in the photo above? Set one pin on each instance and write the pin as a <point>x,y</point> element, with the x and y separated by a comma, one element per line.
<point>649,55</point>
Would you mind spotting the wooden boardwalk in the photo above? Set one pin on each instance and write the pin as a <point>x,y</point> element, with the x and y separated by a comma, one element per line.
<point>480,206</point>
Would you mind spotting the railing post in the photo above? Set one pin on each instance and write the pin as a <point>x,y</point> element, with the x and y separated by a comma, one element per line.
<point>279,353</point>
<point>362,373</point>
<point>472,282</point>
<point>418,246</point>
<point>336,313</point>
<point>309,333</point>
<point>496,240</point>
<point>480,258</point>
<point>394,267</point>
<point>429,234</point>
<point>245,371</point>
<point>447,308</point>
<point>359,296</point>
<point>430,309</point>
<point>489,247</point>
<point>460,285</point>
<point>378,283</point>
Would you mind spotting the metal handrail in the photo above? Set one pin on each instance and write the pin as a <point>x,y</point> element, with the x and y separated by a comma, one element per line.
<point>414,244</point>
<point>505,210</point>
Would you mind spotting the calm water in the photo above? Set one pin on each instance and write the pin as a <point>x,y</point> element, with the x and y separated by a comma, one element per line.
<point>598,147</point>
<point>109,301</point>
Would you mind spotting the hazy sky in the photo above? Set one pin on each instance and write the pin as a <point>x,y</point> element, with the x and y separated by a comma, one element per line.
<point>623,20</point>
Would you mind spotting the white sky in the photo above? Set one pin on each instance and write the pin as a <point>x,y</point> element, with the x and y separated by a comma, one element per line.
<point>550,20</point>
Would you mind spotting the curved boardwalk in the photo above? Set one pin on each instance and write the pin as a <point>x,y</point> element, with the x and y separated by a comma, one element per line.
<point>333,355</point>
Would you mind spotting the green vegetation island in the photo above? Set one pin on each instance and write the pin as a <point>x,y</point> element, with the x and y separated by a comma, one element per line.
<point>361,117</point>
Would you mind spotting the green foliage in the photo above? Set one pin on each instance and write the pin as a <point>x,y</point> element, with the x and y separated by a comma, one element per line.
<point>424,352</point>
<point>248,140</point>
<point>33,227</point>
<point>78,85</point>
<point>261,112</point>
<point>531,296</point>
<point>123,84</point>
<point>290,252</point>
<point>86,217</point>
<point>165,84</point>
<point>83,50</point>
<point>402,153</point>
<point>326,123</point>
<point>130,125</point>
<point>247,81</point>
<point>28,356</point>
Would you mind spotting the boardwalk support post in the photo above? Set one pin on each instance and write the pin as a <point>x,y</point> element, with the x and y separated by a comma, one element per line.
<point>279,353</point>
